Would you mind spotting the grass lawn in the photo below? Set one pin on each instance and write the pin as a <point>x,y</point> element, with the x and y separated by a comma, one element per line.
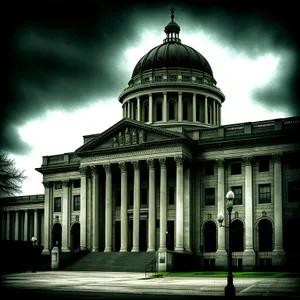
<point>235,274</point>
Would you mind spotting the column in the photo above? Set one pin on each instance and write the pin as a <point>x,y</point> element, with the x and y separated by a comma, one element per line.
<point>220,115</point>
<point>179,203</point>
<point>35,225</point>
<point>136,207</point>
<point>124,110</point>
<point>179,106</point>
<point>132,109</point>
<point>165,107</point>
<point>163,205</point>
<point>205,110</point>
<point>65,216</point>
<point>138,100</point>
<point>8,226</point>
<point>26,225</point>
<point>108,208</point>
<point>277,202</point>
<point>83,237</point>
<point>217,113</point>
<point>248,204</point>
<point>150,108</point>
<point>214,113</point>
<point>16,225</point>
<point>47,209</point>
<point>124,205</point>
<point>187,224</point>
<point>128,109</point>
<point>221,205</point>
<point>95,208</point>
<point>194,108</point>
<point>151,215</point>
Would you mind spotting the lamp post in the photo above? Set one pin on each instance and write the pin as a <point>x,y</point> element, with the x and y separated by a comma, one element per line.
<point>229,289</point>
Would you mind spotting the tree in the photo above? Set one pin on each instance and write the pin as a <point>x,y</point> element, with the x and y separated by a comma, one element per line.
<point>11,178</point>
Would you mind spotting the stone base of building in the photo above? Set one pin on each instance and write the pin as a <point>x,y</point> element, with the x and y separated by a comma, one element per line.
<point>245,261</point>
<point>221,260</point>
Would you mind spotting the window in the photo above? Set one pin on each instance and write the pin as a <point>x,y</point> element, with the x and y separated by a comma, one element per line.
<point>58,185</point>
<point>209,196</point>
<point>186,78</point>
<point>159,111</point>
<point>294,191</point>
<point>76,183</point>
<point>236,168</point>
<point>263,165</point>
<point>171,195</point>
<point>158,78</point>
<point>173,78</point>
<point>76,202</point>
<point>185,111</point>
<point>146,79</point>
<point>265,235</point>
<point>144,196</point>
<point>198,79</point>
<point>209,169</point>
<point>264,191</point>
<point>118,198</point>
<point>238,195</point>
<point>57,204</point>
<point>171,110</point>
<point>237,236</point>
<point>210,237</point>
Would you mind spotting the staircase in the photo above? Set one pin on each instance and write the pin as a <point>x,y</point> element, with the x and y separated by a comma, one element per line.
<point>113,262</point>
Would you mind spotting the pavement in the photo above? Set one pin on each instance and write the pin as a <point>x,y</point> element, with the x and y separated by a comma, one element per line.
<point>120,285</point>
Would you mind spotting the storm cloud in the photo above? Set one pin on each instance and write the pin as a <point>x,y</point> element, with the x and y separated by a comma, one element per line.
<point>65,54</point>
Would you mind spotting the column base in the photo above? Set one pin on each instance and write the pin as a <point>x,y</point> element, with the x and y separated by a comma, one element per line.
<point>179,249</point>
<point>135,249</point>
<point>221,259</point>
<point>65,250</point>
<point>107,249</point>
<point>162,249</point>
<point>45,252</point>
<point>123,250</point>
<point>95,249</point>
<point>150,250</point>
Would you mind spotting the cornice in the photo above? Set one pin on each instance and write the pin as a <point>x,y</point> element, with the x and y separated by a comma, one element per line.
<point>56,168</point>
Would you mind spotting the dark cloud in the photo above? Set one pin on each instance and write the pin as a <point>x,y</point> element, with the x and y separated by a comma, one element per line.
<point>63,54</point>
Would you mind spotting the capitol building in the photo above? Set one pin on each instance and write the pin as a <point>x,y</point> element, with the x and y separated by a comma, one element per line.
<point>157,180</point>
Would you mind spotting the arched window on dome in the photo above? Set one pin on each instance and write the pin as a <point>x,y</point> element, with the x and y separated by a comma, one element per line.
<point>146,112</point>
<point>171,110</point>
<point>197,111</point>
<point>159,111</point>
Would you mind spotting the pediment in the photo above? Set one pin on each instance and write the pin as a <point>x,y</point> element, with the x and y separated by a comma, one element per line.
<point>127,133</point>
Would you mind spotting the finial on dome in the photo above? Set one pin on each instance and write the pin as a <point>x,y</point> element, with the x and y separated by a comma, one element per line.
<point>172,12</point>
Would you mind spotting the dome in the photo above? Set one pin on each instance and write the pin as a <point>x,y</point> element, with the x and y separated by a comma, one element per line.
<point>172,55</point>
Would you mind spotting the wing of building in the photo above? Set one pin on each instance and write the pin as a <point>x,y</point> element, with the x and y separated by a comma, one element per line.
<point>157,180</point>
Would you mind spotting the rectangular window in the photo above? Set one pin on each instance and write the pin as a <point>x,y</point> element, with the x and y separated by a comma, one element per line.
<point>198,79</point>
<point>171,195</point>
<point>264,191</point>
<point>173,78</point>
<point>236,168</point>
<point>294,191</point>
<point>209,196</point>
<point>76,202</point>
<point>144,196</point>
<point>158,78</point>
<point>76,183</point>
<point>238,195</point>
<point>263,165</point>
<point>118,198</point>
<point>57,204</point>
<point>209,169</point>
<point>58,185</point>
<point>186,78</point>
<point>146,79</point>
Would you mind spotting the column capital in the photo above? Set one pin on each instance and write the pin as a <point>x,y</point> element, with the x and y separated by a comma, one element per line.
<point>107,168</point>
<point>151,163</point>
<point>123,167</point>
<point>276,157</point>
<point>46,184</point>
<point>137,97</point>
<point>180,93</point>
<point>150,95</point>
<point>66,182</point>
<point>163,162</point>
<point>247,160</point>
<point>165,93</point>
<point>194,94</point>
<point>136,165</point>
<point>179,160</point>
<point>93,170</point>
<point>83,170</point>
<point>220,162</point>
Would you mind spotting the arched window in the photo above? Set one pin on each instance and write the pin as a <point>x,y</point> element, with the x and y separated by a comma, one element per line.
<point>56,235</point>
<point>237,238</point>
<point>198,111</point>
<point>75,236</point>
<point>146,112</point>
<point>210,237</point>
<point>265,233</point>
<point>159,111</point>
<point>185,111</point>
<point>171,110</point>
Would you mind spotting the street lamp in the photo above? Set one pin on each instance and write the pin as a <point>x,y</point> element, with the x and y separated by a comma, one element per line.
<point>229,289</point>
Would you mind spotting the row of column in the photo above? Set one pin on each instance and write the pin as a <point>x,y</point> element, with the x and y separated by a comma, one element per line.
<point>249,202</point>
<point>215,115</point>
<point>136,206</point>
<point>26,225</point>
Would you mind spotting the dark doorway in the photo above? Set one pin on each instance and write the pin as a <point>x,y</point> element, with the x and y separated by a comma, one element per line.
<point>170,235</point>
<point>210,237</point>
<point>75,236</point>
<point>56,235</point>
<point>117,236</point>
<point>143,235</point>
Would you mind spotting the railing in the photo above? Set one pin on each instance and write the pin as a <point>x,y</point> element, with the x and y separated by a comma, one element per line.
<point>151,267</point>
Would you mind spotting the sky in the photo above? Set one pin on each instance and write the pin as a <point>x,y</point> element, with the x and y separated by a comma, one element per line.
<point>68,62</point>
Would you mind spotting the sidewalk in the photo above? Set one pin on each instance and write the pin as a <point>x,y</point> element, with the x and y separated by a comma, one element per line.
<point>124,283</point>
